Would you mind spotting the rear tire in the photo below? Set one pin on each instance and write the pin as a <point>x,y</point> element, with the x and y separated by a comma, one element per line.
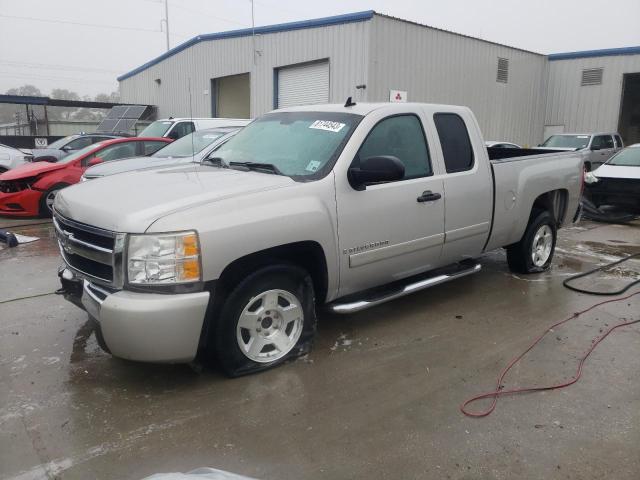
<point>534,253</point>
<point>268,318</point>
<point>46,201</point>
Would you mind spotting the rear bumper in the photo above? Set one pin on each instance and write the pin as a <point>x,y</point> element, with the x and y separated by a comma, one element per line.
<point>25,203</point>
<point>146,327</point>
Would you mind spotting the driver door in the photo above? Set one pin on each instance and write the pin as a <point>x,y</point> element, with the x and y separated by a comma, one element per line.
<point>385,233</point>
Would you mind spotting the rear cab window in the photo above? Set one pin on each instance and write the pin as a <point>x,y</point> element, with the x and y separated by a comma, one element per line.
<point>455,142</point>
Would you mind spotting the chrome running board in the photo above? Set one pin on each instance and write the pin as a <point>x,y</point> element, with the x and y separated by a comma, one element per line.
<point>372,299</point>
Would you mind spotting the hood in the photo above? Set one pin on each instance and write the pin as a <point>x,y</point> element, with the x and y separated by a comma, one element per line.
<point>130,164</point>
<point>131,203</point>
<point>615,171</point>
<point>54,152</point>
<point>28,170</point>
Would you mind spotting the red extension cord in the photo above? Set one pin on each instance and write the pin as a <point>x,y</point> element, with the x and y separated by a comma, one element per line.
<point>498,392</point>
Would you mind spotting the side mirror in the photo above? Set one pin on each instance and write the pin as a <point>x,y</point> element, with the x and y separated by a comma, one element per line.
<point>45,158</point>
<point>384,168</point>
<point>95,161</point>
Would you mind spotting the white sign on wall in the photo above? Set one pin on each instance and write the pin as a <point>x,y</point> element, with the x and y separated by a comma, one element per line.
<point>41,142</point>
<point>397,96</point>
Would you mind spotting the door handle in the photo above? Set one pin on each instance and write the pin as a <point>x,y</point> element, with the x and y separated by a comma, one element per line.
<point>429,196</point>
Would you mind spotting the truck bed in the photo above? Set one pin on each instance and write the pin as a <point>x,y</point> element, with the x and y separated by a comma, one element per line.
<point>513,153</point>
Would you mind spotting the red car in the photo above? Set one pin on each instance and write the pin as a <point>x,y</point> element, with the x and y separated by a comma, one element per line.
<point>29,190</point>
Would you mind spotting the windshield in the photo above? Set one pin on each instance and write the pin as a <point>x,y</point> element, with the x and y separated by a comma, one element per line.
<point>80,153</point>
<point>299,144</point>
<point>190,144</point>
<point>61,142</point>
<point>156,129</point>
<point>567,141</point>
<point>629,157</point>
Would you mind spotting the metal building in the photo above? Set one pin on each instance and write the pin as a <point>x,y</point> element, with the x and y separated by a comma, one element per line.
<point>596,90</point>
<point>517,95</point>
<point>364,55</point>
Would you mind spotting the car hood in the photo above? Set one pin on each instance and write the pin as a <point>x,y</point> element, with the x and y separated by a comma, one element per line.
<point>130,164</point>
<point>132,202</point>
<point>41,152</point>
<point>617,171</point>
<point>28,170</point>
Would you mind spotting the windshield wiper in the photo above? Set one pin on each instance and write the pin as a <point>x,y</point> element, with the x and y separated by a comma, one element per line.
<point>215,161</point>
<point>266,167</point>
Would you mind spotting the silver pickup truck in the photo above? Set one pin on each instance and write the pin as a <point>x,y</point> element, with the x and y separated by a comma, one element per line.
<point>342,207</point>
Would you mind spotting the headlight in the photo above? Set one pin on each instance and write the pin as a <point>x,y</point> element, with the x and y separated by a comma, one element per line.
<point>589,178</point>
<point>161,259</point>
<point>83,178</point>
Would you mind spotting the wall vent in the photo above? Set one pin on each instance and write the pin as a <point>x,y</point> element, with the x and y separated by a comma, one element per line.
<point>591,76</point>
<point>503,70</point>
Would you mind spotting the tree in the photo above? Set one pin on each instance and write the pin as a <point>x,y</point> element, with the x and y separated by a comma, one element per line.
<point>25,90</point>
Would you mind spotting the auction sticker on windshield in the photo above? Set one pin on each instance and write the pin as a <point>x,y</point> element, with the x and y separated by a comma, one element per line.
<point>327,125</point>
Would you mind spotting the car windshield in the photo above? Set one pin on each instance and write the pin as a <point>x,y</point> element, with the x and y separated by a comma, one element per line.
<point>567,141</point>
<point>80,153</point>
<point>190,144</point>
<point>156,129</point>
<point>298,144</point>
<point>629,157</point>
<point>61,142</point>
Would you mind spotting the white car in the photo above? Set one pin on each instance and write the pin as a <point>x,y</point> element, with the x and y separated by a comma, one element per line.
<point>617,182</point>
<point>12,157</point>
<point>176,128</point>
<point>495,144</point>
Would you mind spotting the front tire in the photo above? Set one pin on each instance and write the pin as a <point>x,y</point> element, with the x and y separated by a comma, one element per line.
<point>534,253</point>
<point>268,318</point>
<point>46,201</point>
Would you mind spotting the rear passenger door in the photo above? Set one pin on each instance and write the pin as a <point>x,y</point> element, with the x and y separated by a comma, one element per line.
<point>384,232</point>
<point>468,186</point>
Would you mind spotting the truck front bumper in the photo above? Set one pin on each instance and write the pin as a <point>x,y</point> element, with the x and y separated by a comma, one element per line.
<point>146,327</point>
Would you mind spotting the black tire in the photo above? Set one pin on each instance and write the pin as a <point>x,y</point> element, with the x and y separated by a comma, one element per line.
<point>288,278</point>
<point>520,255</point>
<point>44,210</point>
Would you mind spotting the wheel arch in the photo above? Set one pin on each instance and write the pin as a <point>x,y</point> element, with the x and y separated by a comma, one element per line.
<point>553,201</point>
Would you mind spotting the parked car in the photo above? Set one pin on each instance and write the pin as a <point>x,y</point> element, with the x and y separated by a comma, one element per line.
<point>617,182</point>
<point>64,146</point>
<point>495,144</point>
<point>29,190</point>
<point>12,157</point>
<point>190,148</point>
<point>344,207</point>
<point>597,148</point>
<point>175,128</point>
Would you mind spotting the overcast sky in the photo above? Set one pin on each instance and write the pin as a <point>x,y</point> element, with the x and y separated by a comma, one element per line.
<point>83,45</point>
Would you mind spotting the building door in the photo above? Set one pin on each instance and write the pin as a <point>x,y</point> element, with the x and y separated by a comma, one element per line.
<point>304,84</point>
<point>231,96</point>
<point>552,130</point>
<point>629,125</point>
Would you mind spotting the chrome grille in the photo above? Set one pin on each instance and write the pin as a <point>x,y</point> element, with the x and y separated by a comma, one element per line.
<point>91,252</point>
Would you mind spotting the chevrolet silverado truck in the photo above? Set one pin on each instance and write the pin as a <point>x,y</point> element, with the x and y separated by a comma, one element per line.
<point>340,207</point>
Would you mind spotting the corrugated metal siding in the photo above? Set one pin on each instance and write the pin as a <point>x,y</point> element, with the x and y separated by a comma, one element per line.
<point>344,45</point>
<point>591,107</point>
<point>436,66</point>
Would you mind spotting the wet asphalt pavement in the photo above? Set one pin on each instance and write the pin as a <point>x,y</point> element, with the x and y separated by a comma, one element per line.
<point>378,396</point>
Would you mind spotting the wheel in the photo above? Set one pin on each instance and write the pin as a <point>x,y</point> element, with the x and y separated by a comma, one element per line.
<point>534,252</point>
<point>266,319</point>
<point>46,201</point>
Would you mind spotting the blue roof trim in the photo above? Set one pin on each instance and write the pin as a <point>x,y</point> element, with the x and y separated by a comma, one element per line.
<point>607,52</point>
<point>244,32</point>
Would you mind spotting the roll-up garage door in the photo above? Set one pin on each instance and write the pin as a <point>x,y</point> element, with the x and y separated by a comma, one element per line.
<point>303,84</point>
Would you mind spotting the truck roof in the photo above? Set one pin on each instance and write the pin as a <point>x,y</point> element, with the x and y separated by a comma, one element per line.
<point>366,108</point>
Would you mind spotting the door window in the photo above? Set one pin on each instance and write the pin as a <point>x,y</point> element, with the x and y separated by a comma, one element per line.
<point>402,137</point>
<point>152,147</point>
<point>602,141</point>
<point>608,141</point>
<point>116,152</point>
<point>181,129</point>
<point>455,142</point>
<point>78,143</point>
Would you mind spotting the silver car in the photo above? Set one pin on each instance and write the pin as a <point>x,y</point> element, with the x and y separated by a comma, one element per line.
<point>12,157</point>
<point>597,147</point>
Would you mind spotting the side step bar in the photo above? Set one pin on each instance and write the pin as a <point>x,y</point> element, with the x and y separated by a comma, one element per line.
<point>373,299</point>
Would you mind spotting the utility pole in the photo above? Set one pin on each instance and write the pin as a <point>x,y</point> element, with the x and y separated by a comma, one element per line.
<point>166,22</point>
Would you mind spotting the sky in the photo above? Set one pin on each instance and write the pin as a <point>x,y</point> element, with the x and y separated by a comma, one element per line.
<point>83,45</point>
